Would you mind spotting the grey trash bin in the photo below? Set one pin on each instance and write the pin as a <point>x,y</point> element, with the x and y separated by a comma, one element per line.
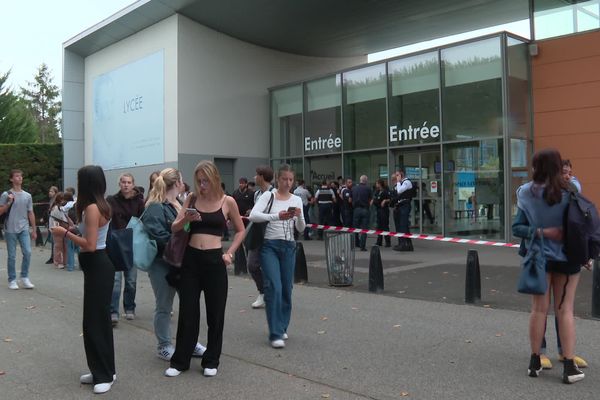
<point>339,252</point>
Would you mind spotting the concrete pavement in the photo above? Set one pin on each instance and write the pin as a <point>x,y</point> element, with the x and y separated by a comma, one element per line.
<point>344,343</point>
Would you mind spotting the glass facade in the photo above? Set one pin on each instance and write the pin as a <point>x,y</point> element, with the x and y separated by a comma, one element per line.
<point>553,18</point>
<point>456,119</point>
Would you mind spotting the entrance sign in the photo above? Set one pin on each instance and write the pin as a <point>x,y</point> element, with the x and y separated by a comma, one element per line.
<point>418,132</point>
<point>322,144</point>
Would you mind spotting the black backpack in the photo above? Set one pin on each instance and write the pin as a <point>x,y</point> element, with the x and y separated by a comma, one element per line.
<point>581,230</point>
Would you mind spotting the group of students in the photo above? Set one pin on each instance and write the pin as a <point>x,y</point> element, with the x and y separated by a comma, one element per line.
<point>541,206</point>
<point>205,214</point>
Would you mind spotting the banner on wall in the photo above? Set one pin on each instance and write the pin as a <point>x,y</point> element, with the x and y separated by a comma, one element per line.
<point>128,114</point>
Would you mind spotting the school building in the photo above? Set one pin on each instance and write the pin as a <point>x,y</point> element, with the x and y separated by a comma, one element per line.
<point>168,83</point>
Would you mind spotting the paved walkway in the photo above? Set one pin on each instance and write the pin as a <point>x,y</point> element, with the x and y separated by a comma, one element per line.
<point>344,343</point>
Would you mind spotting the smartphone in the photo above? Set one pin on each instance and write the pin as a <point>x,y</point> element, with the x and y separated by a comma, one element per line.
<point>191,211</point>
<point>291,209</point>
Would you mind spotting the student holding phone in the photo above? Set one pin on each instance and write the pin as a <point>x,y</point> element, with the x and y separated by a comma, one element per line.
<point>204,268</point>
<point>278,252</point>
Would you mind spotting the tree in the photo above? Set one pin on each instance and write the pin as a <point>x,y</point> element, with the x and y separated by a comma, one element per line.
<point>41,97</point>
<point>17,125</point>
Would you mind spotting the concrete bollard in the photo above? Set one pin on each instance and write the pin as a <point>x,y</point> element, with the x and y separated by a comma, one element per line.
<point>239,262</point>
<point>473,278</point>
<point>596,290</point>
<point>301,270</point>
<point>375,270</point>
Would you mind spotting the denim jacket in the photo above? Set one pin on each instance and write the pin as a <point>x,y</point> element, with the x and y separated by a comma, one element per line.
<point>522,229</point>
<point>157,221</point>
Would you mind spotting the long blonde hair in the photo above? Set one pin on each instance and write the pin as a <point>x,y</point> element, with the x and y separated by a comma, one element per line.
<point>165,181</point>
<point>209,169</point>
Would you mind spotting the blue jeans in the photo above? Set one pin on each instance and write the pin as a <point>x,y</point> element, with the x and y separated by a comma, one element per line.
<point>128,292</point>
<point>278,259</point>
<point>361,220</point>
<point>164,295</point>
<point>72,248</point>
<point>11,247</point>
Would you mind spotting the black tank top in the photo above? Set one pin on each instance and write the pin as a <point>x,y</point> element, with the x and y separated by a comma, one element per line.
<point>212,223</point>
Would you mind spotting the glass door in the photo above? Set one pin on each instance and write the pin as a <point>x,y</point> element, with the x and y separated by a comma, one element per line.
<point>423,168</point>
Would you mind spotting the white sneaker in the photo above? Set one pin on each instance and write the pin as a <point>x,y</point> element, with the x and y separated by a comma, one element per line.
<point>278,344</point>
<point>199,350</point>
<point>171,372</point>
<point>26,283</point>
<point>166,352</point>
<point>103,387</point>
<point>260,301</point>
<point>13,285</point>
<point>285,336</point>
<point>210,371</point>
<point>88,379</point>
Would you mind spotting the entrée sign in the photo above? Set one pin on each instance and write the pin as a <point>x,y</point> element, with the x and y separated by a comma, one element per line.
<point>327,143</point>
<point>418,132</point>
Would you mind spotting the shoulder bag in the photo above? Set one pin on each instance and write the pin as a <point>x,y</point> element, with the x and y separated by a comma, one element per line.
<point>532,279</point>
<point>255,232</point>
<point>175,247</point>
<point>144,248</point>
<point>119,247</point>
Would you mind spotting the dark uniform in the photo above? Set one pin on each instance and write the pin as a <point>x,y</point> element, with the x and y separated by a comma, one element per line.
<point>383,214</point>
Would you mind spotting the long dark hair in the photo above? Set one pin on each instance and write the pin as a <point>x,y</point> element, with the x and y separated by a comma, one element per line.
<point>547,170</point>
<point>91,186</point>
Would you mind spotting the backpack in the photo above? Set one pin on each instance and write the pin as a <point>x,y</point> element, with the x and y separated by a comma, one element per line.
<point>4,216</point>
<point>581,230</point>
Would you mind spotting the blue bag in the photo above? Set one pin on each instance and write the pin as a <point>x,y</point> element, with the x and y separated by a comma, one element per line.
<point>144,248</point>
<point>533,269</point>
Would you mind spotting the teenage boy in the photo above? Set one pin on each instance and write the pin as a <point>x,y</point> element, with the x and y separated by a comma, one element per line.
<point>127,203</point>
<point>18,226</point>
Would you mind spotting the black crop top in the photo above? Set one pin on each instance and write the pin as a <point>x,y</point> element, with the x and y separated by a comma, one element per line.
<point>212,223</point>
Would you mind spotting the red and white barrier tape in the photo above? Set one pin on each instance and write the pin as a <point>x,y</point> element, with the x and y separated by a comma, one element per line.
<point>411,236</point>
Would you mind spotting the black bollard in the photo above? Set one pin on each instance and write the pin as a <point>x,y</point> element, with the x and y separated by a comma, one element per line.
<point>301,270</point>
<point>596,290</point>
<point>375,271</point>
<point>39,239</point>
<point>239,262</point>
<point>473,278</point>
<point>1,234</point>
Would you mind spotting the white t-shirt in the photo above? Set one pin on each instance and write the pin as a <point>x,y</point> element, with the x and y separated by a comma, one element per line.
<point>276,228</point>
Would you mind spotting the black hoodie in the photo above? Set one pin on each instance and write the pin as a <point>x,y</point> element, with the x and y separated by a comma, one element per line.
<point>123,209</point>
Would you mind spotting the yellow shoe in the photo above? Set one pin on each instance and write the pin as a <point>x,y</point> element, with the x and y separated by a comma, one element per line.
<point>546,364</point>
<point>579,362</point>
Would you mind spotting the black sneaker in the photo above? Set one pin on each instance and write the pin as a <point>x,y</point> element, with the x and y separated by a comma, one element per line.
<point>535,366</point>
<point>571,373</point>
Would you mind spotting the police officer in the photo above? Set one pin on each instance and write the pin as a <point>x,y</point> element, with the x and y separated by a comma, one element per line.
<point>404,192</point>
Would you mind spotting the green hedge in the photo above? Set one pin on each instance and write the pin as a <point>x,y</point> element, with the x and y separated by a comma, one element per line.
<point>41,165</point>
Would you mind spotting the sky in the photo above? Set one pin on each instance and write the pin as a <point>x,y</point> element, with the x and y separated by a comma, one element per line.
<point>32,32</point>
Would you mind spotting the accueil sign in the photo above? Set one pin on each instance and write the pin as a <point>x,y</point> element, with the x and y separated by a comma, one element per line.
<point>418,132</point>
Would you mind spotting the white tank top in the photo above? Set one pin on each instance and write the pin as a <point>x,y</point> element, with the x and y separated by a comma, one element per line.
<point>102,232</point>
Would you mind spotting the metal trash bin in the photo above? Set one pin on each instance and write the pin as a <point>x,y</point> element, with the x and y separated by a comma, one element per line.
<point>339,252</point>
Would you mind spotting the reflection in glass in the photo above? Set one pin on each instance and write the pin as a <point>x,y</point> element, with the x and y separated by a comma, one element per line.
<point>286,122</point>
<point>519,124</point>
<point>414,101</point>
<point>365,108</point>
<point>556,18</point>
<point>372,164</point>
<point>474,189</point>
<point>472,98</point>
<point>323,133</point>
